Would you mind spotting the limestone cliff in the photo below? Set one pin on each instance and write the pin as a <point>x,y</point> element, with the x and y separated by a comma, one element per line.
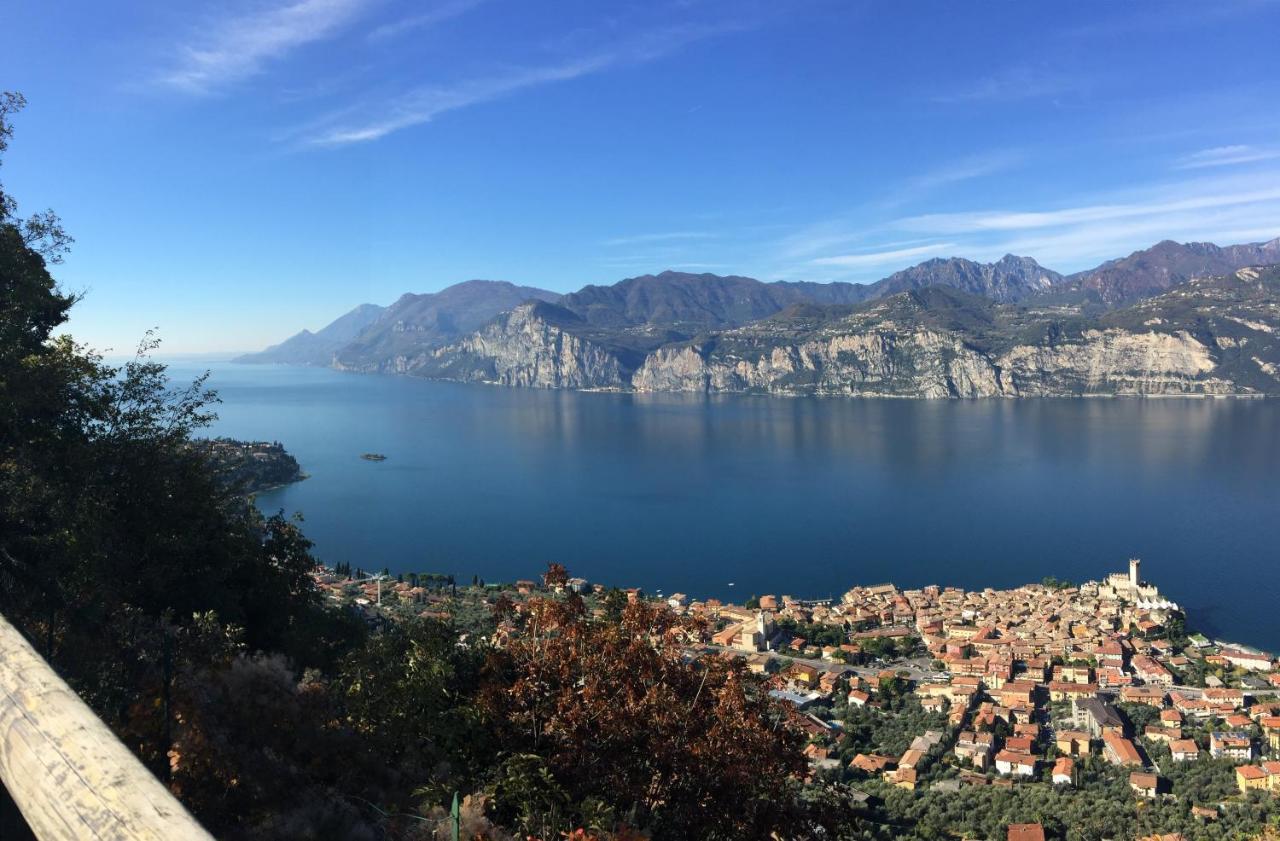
<point>927,363</point>
<point>531,346</point>
<point>1208,337</point>
<point>1214,336</point>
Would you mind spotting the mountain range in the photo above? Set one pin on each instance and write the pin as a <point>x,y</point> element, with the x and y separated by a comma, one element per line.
<point>318,348</point>
<point>946,327</point>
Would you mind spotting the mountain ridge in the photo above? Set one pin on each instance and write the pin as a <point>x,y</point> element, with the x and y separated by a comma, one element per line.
<point>1166,264</point>
<point>421,321</point>
<point>308,348</point>
<point>617,336</point>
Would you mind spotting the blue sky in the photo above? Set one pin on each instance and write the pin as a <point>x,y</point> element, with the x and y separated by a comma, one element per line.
<point>236,171</point>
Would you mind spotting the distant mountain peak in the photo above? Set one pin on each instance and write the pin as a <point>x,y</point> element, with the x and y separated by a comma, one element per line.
<point>308,348</point>
<point>418,323</point>
<point>1152,271</point>
<point>1011,278</point>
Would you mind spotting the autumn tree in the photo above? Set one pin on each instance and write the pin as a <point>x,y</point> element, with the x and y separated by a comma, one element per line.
<point>555,577</point>
<point>611,714</point>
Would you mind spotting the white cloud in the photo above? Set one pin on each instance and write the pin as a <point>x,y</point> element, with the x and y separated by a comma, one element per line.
<point>1226,156</point>
<point>880,258</point>
<point>967,169</point>
<point>669,236</point>
<point>238,47</point>
<point>424,20</point>
<point>426,102</point>
<point>1222,208</point>
<point>1013,84</point>
<point>1083,246</point>
<point>843,231</point>
<point>1024,220</point>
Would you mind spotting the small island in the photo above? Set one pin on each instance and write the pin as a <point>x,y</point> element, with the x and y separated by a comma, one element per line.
<point>373,457</point>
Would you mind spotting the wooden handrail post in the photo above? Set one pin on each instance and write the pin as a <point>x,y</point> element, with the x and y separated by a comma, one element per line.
<point>69,775</point>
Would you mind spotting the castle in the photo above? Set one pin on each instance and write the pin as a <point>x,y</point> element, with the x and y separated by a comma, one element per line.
<point>1131,588</point>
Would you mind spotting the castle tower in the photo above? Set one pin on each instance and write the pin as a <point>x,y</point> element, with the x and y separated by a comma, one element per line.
<point>1135,578</point>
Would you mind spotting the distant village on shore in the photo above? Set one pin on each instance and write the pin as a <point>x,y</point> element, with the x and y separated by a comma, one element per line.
<point>1014,687</point>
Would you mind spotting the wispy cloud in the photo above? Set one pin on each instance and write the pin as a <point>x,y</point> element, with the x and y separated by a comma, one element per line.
<point>669,236</point>
<point>424,20</point>
<point>1084,246</point>
<point>966,169</point>
<point>1227,156</point>
<point>236,48</point>
<point>846,230</point>
<point>1224,209</point>
<point>1220,207</point>
<point>881,258</point>
<point>426,102</point>
<point>1172,17</point>
<point>1023,220</point>
<point>648,263</point>
<point>1013,84</point>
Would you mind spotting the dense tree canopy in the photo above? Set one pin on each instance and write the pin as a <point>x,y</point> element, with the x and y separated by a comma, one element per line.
<point>618,715</point>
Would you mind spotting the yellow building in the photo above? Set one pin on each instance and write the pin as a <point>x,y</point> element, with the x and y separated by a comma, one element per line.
<point>1250,777</point>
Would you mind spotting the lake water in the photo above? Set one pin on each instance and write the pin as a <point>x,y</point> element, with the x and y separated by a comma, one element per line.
<point>734,496</point>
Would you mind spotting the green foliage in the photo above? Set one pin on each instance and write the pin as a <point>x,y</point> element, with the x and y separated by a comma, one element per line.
<point>1139,716</point>
<point>889,648</point>
<point>813,633</point>
<point>615,601</point>
<point>410,691</point>
<point>1101,807</point>
<point>887,730</point>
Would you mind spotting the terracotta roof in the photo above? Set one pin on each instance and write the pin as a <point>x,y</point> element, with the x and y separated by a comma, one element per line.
<point>1123,749</point>
<point>1026,832</point>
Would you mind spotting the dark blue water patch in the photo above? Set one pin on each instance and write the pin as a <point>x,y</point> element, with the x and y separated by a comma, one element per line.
<point>800,496</point>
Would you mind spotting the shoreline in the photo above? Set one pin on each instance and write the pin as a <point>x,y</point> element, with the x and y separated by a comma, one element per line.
<point>1115,595</point>
<point>786,394</point>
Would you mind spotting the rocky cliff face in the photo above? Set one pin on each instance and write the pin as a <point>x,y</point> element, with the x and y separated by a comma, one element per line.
<point>529,347</point>
<point>1212,336</point>
<point>921,363</point>
<point>928,363</point>
<point>416,324</point>
<point>1011,278</point>
<point>1209,336</point>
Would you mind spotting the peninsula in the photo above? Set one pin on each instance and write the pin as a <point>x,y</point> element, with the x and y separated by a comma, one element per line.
<point>250,467</point>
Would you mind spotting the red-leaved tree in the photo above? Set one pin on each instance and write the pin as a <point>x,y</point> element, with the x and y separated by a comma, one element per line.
<point>622,717</point>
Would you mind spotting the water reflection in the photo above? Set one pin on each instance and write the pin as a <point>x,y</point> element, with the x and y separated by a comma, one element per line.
<point>808,496</point>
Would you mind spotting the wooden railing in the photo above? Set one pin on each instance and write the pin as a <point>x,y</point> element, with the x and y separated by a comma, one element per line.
<point>69,775</point>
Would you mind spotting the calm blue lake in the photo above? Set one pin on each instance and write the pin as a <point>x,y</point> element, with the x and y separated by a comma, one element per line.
<point>734,496</point>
